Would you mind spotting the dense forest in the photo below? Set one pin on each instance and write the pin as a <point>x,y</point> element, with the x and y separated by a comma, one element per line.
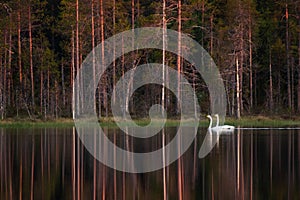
<point>255,44</point>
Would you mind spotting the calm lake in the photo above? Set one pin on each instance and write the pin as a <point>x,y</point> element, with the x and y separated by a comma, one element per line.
<point>52,163</point>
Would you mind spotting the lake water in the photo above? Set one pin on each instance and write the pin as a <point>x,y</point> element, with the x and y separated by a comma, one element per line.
<point>52,163</point>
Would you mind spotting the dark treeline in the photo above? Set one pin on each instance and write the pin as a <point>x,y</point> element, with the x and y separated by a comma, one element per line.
<point>255,44</point>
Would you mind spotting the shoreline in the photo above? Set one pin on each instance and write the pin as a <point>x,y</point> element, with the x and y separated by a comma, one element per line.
<point>246,121</point>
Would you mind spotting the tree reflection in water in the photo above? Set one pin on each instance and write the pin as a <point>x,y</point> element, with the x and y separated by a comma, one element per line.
<point>52,163</point>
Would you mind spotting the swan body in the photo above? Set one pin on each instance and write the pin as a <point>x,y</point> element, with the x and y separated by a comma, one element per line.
<point>224,128</point>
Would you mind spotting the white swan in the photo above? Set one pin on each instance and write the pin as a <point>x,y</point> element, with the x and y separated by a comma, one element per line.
<point>224,128</point>
<point>210,128</point>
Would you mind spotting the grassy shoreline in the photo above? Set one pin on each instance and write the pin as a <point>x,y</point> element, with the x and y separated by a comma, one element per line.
<point>247,121</point>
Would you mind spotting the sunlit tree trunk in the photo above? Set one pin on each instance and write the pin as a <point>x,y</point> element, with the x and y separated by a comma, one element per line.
<point>56,98</point>
<point>241,71</point>
<point>238,111</point>
<point>250,60</point>
<point>63,83</point>
<point>179,58</point>
<point>211,40</point>
<point>73,76</point>
<point>93,51</point>
<point>104,88</point>
<point>133,52</point>
<point>123,73</point>
<point>41,90</point>
<point>114,50</point>
<point>9,72</point>
<point>19,95</point>
<point>94,82</point>
<point>19,47</point>
<point>30,53</point>
<point>164,56</point>
<point>4,96</point>
<point>130,84</point>
<point>77,102</point>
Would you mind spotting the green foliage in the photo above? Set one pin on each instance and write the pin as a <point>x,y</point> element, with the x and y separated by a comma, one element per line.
<point>219,26</point>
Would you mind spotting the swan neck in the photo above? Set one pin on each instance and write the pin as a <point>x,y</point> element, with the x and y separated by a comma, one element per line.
<point>210,122</point>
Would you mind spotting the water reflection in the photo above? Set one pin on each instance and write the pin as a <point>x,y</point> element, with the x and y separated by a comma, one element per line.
<point>52,163</point>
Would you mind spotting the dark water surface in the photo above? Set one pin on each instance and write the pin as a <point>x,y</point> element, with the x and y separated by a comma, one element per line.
<point>52,163</point>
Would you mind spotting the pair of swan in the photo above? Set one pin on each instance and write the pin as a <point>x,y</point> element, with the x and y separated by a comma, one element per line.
<point>223,128</point>
<point>212,136</point>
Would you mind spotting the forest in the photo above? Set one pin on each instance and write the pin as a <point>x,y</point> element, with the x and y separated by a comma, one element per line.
<point>254,43</point>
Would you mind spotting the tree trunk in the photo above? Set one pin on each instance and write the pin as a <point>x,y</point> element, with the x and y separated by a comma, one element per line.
<point>241,70</point>
<point>63,83</point>
<point>56,99</point>
<point>93,51</point>
<point>250,61</point>
<point>94,97</point>
<point>73,76</point>
<point>271,82</point>
<point>5,75</point>
<point>30,54</point>
<point>47,105</point>
<point>123,73</point>
<point>292,85</point>
<point>102,56</point>
<point>9,73</point>
<point>41,90</point>
<point>164,56</point>
<point>238,112</point>
<point>114,50</point>
<point>20,55</point>
<point>179,58</point>
<point>130,84</point>
<point>1,87</point>
<point>287,48</point>
<point>299,62</point>
<point>211,40</point>
<point>77,102</point>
